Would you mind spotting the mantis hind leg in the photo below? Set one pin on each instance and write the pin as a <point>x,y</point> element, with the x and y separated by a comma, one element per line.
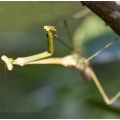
<point>105,97</point>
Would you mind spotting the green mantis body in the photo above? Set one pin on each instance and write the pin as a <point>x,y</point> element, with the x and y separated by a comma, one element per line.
<point>74,60</point>
<point>50,32</point>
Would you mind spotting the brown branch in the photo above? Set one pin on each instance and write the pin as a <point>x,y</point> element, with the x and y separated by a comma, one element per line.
<point>109,11</point>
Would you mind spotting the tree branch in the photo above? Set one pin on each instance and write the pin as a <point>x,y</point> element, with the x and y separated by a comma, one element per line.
<point>109,11</point>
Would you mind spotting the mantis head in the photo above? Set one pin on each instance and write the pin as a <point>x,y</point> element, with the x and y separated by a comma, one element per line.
<point>51,29</point>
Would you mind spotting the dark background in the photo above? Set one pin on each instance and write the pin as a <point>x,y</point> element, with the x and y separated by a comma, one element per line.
<point>57,91</point>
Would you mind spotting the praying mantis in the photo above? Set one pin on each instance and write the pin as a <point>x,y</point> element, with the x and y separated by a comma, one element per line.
<point>74,60</point>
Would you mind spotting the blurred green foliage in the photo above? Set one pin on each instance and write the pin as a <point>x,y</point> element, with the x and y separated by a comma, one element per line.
<point>59,92</point>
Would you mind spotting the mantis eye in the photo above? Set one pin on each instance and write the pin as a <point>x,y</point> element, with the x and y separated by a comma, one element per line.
<point>53,33</point>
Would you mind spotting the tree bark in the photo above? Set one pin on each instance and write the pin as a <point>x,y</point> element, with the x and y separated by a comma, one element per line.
<point>109,11</point>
